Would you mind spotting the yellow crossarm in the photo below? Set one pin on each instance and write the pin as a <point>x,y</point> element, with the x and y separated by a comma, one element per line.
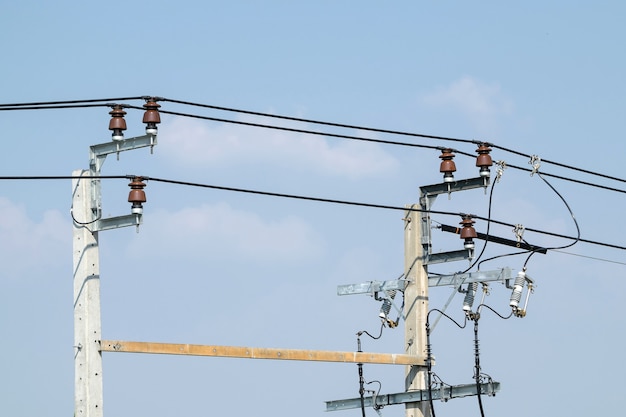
<point>259,353</point>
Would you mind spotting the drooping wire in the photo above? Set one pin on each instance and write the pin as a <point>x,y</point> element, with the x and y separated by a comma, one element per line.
<point>77,222</point>
<point>429,369</point>
<point>429,357</point>
<point>477,368</point>
<point>375,394</point>
<point>478,375</point>
<point>85,224</point>
<point>531,252</point>
<point>571,214</point>
<point>494,311</point>
<point>360,365</point>
<point>362,332</point>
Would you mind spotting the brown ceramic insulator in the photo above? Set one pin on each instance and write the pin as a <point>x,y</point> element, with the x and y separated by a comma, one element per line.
<point>483,160</point>
<point>468,231</point>
<point>137,195</point>
<point>152,112</point>
<point>447,164</point>
<point>117,123</point>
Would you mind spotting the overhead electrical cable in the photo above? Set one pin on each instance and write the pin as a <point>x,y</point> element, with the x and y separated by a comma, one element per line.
<point>389,131</point>
<point>52,103</point>
<point>294,130</point>
<point>380,206</point>
<point>548,161</point>
<point>57,106</point>
<point>590,184</point>
<point>560,177</point>
<point>319,122</point>
<point>307,198</point>
<point>589,257</point>
<point>365,139</point>
<point>69,104</point>
<point>66,177</point>
<point>84,104</point>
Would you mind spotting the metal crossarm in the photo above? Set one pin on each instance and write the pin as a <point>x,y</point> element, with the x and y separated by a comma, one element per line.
<point>443,393</point>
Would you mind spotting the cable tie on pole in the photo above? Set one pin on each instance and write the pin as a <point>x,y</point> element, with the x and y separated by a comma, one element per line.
<point>500,169</point>
<point>535,161</point>
<point>519,233</point>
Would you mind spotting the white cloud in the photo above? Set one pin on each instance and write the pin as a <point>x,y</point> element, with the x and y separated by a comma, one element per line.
<point>198,143</point>
<point>220,231</point>
<point>28,246</point>
<point>480,102</point>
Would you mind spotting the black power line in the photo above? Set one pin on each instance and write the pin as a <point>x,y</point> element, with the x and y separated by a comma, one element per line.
<point>379,206</point>
<point>294,130</point>
<point>56,106</point>
<point>390,131</point>
<point>82,103</point>
<point>372,140</point>
<point>305,198</point>
<point>62,102</point>
<point>318,122</point>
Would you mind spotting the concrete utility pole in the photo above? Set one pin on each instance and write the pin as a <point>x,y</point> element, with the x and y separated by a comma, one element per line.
<point>415,309</point>
<point>87,325</point>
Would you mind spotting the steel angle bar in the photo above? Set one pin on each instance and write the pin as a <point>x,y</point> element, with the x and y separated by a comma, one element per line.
<point>371,287</point>
<point>477,276</point>
<point>118,221</point>
<point>99,152</point>
<point>450,187</point>
<point>441,257</point>
<point>444,393</point>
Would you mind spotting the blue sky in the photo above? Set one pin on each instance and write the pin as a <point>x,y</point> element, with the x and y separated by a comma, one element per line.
<point>214,267</point>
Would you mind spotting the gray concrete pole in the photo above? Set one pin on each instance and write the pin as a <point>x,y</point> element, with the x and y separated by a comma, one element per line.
<point>87,324</point>
<point>415,309</point>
